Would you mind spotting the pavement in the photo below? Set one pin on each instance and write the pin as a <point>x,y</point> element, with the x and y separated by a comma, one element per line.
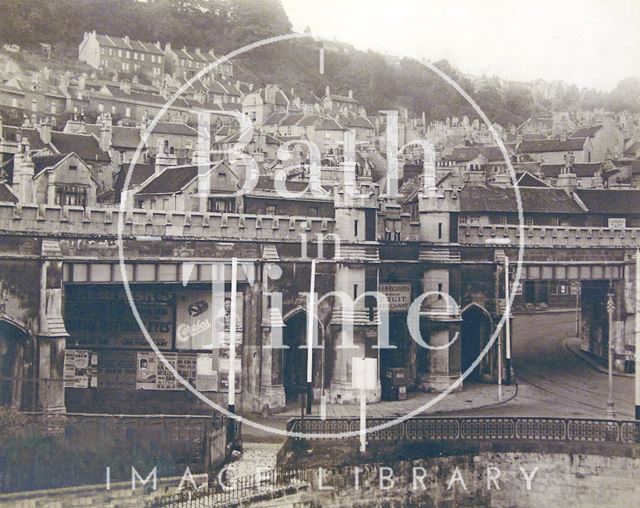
<point>553,379</point>
<point>573,345</point>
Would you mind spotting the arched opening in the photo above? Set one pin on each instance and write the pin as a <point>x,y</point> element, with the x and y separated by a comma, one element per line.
<point>12,342</point>
<point>294,361</point>
<point>475,332</point>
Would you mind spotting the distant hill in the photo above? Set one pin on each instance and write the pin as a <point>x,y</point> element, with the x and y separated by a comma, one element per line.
<point>224,25</point>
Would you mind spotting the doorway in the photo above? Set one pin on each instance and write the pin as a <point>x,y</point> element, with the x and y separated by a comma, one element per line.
<point>475,332</point>
<point>294,361</point>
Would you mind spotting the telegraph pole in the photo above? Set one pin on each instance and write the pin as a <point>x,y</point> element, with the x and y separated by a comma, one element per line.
<point>611,412</point>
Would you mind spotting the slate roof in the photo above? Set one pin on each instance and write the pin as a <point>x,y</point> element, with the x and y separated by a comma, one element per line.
<point>9,133</point>
<point>526,179</point>
<point>172,128</point>
<point>121,137</point>
<point>139,174</point>
<point>292,119</point>
<point>43,162</point>
<point>580,169</point>
<point>611,201</point>
<point>6,196</point>
<point>355,122</point>
<point>173,179</point>
<point>468,153</point>
<point>586,132</point>
<point>120,43</point>
<point>84,146</point>
<point>551,145</point>
<point>477,198</point>
<point>275,118</point>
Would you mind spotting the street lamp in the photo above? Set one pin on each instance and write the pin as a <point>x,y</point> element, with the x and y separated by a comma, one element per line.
<point>611,412</point>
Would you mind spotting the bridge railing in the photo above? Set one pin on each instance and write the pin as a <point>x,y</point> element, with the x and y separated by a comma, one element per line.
<point>477,429</point>
<point>139,222</point>
<point>549,236</point>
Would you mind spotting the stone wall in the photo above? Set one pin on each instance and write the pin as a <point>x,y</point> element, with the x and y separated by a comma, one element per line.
<point>559,480</point>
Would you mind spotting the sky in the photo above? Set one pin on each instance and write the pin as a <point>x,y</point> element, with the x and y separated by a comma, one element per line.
<point>590,43</point>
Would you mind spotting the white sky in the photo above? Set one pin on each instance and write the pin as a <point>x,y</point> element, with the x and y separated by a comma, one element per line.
<point>592,43</point>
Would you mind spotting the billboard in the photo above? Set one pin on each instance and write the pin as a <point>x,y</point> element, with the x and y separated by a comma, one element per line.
<point>201,319</point>
<point>99,316</point>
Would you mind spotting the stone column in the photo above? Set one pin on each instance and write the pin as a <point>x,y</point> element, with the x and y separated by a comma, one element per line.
<point>272,395</point>
<point>440,329</point>
<point>52,333</point>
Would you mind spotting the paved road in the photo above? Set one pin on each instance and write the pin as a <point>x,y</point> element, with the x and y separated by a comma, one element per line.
<point>552,381</point>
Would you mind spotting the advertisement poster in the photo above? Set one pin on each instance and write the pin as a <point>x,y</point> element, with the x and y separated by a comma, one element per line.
<point>398,296</point>
<point>200,319</point>
<point>100,316</point>
<point>117,370</point>
<point>206,376</point>
<point>146,371</point>
<point>80,368</point>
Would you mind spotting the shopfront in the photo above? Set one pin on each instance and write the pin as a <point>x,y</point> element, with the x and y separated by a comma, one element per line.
<point>111,367</point>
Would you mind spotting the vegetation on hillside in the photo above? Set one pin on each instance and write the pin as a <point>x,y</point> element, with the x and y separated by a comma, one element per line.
<point>225,25</point>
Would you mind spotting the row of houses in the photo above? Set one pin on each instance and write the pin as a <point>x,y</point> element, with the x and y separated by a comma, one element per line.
<point>123,54</point>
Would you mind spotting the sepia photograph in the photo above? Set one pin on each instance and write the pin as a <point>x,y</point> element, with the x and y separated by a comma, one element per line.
<point>319,253</point>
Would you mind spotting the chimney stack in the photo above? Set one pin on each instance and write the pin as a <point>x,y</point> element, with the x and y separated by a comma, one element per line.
<point>567,179</point>
<point>23,172</point>
<point>164,157</point>
<point>106,130</point>
<point>45,130</point>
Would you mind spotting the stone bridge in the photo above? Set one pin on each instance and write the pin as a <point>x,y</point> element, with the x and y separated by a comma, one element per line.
<point>59,263</point>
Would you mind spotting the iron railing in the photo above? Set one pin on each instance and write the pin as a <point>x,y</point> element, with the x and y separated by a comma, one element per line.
<point>476,429</point>
<point>265,485</point>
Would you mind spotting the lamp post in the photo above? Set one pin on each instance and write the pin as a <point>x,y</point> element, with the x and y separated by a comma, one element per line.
<point>637,334</point>
<point>310,334</point>
<point>507,311</point>
<point>611,412</point>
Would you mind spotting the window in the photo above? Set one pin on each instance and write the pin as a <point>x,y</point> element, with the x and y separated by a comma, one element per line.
<point>127,112</point>
<point>221,205</point>
<point>355,228</point>
<point>222,174</point>
<point>528,221</point>
<point>135,56</point>
<point>355,291</point>
<point>14,102</point>
<point>120,53</point>
<point>439,290</point>
<point>142,56</point>
<point>34,105</point>
<point>110,51</point>
<point>439,230</point>
<point>113,109</point>
<point>153,58</point>
<point>71,195</point>
<point>313,211</point>
<point>100,108</point>
<point>73,167</point>
<point>128,54</point>
<point>271,210</point>
<point>54,109</point>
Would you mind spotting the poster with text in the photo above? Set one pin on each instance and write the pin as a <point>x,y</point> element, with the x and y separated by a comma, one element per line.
<point>100,316</point>
<point>202,319</point>
<point>206,376</point>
